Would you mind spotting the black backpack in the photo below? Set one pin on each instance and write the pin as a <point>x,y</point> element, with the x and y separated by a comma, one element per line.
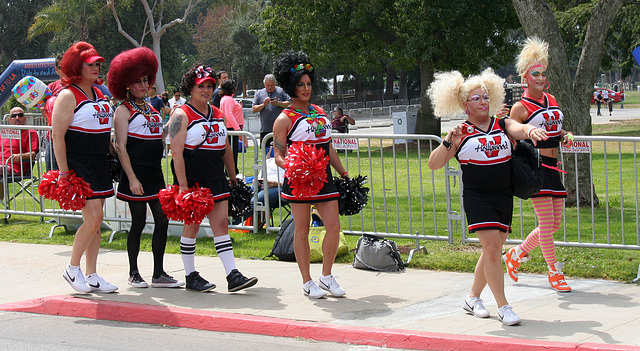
<point>283,245</point>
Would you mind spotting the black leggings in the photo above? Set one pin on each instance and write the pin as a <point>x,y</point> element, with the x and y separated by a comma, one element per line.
<point>159,241</point>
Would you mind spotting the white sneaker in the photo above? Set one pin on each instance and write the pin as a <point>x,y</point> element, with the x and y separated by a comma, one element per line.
<point>329,283</point>
<point>507,316</point>
<point>76,279</point>
<point>312,290</point>
<point>100,285</point>
<point>474,306</point>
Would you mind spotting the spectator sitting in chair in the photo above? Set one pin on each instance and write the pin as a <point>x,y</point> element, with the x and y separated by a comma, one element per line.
<point>275,178</point>
<point>18,154</point>
<point>340,120</point>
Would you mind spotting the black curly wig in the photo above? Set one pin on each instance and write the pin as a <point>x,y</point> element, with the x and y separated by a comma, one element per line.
<point>283,66</point>
<point>189,79</point>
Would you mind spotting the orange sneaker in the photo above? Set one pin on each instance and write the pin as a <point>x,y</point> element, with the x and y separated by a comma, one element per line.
<point>512,259</point>
<point>556,278</point>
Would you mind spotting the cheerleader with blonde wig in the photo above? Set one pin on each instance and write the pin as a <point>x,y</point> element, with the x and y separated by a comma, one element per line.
<point>540,109</point>
<point>481,146</point>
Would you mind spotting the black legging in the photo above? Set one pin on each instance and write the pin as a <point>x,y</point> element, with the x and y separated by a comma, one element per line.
<point>159,241</point>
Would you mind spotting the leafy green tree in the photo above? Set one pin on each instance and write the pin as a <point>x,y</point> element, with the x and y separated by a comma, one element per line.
<point>572,91</point>
<point>432,35</point>
<point>224,38</point>
<point>15,16</point>
<point>68,16</point>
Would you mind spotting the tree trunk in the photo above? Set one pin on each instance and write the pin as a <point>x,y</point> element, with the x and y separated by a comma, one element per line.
<point>159,76</point>
<point>426,123</point>
<point>379,94</point>
<point>391,75</point>
<point>404,92</point>
<point>359,90</point>
<point>573,96</point>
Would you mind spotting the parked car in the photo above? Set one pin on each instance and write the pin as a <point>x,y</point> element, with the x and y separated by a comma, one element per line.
<point>617,96</point>
<point>246,103</point>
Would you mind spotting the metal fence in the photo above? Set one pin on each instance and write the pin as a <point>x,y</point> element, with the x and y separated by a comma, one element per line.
<point>407,200</point>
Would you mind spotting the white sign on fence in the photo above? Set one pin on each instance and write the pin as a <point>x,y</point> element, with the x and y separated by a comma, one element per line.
<point>10,134</point>
<point>578,147</point>
<point>345,143</point>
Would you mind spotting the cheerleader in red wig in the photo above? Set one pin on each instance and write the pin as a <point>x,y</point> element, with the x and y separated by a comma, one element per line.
<point>81,126</point>
<point>139,136</point>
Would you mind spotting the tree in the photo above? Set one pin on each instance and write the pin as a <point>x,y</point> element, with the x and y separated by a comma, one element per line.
<point>154,27</point>
<point>14,15</point>
<point>431,35</point>
<point>573,95</point>
<point>73,16</point>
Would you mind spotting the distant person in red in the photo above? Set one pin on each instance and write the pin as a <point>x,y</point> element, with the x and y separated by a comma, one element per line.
<point>55,87</point>
<point>340,120</point>
<point>17,154</point>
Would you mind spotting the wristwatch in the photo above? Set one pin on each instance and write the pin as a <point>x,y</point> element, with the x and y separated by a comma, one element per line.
<point>447,144</point>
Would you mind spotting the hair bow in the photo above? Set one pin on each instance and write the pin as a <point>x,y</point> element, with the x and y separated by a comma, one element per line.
<point>203,72</point>
<point>299,67</point>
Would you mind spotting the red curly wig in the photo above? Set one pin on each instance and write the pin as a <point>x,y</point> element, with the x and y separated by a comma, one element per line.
<point>129,66</point>
<point>74,58</point>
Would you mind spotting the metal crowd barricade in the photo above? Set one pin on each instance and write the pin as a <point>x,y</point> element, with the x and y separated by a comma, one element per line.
<point>612,178</point>
<point>407,200</point>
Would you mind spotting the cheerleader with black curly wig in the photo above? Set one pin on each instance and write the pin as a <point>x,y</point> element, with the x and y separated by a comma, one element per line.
<point>302,140</point>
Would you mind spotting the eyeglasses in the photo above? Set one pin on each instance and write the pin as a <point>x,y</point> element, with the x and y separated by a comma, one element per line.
<point>17,115</point>
<point>477,98</point>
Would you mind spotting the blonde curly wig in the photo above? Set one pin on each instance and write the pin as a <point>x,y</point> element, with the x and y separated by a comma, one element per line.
<point>534,51</point>
<point>450,90</point>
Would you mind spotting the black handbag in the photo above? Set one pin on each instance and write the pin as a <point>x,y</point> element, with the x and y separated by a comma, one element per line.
<point>377,254</point>
<point>526,171</point>
<point>526,168</point>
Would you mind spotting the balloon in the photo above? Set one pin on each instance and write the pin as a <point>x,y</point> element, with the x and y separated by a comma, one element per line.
<point>31,91</point>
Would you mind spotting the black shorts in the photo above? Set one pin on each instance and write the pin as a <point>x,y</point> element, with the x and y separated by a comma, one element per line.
<point>488,211</point>
<point>150,177</point>
<point>552,182</point>
<point>94,169</point>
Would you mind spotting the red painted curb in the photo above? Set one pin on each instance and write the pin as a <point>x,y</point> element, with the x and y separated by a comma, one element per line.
<point>229,322</point>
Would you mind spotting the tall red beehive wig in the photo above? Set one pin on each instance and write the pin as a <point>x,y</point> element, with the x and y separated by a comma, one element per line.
<point>128,67</point>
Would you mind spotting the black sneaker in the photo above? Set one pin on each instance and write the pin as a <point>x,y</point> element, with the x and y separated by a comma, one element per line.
<point>197,283</point>
<point>237,281</point>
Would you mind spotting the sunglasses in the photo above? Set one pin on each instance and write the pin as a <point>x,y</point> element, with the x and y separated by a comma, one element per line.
<point>17,115</point>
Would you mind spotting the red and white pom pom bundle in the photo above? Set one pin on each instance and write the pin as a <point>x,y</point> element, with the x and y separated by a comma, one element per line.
<point>190,206</point>
<point>71,192</point>
<point>306,167</point>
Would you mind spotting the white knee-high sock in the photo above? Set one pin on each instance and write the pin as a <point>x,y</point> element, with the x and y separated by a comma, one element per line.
<point>188,250</point>
<point>225,252</point>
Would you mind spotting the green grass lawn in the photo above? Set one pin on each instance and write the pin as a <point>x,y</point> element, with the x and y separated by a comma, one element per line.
<point>395,207</point>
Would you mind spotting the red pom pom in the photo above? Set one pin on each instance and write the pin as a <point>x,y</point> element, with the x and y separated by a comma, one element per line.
<point>190,206</point>
<point>72,192</point>
<point>48,185</point>
<point>305,167</point>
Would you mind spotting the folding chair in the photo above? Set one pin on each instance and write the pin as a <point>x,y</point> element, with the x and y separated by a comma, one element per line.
<point>25,185</point>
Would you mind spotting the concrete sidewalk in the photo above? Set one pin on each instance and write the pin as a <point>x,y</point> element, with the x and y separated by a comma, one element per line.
<point>412,309</point>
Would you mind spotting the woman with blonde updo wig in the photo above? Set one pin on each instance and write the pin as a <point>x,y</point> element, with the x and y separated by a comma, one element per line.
<point>481,146</point>
<point>81,129</point>
<point>540,109</point>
